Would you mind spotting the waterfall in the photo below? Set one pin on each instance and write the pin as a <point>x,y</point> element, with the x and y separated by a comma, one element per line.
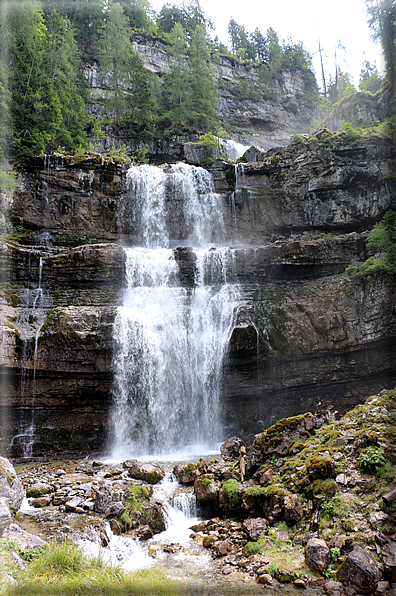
<point>31,317</point>
<point>170,339</point>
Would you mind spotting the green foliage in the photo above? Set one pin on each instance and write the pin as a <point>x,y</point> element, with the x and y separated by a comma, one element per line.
<point>382,20</point>
<point>231,491</point>
<point>369,80</point>
<point>335,553</point>
<point>382,245</point>
<point>130,94</point>
<point>337,506</point>
<point>372,459</point>
<point>62,569</point>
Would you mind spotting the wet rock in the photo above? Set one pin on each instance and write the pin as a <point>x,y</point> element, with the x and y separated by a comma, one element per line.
<point>115,510</point>
<point>317,555</point>
<point>333,588</point>
<point>39,489</point>
<point>300,584</point>
<point>255,527</point>
<point>147,472</point>
<point>155,517</point>
<point>105,496</point>
<point>115,527</point>
<point>389,559</point>
<point>41,502</point>
<point>172,547</point>
<point>222,547</point>
<point>360,571</point>
<point>230,448</point>
<point>10,485</point>
<point>144,533</point>
<point>206,488</point>
<point>186,473</point>
<point>153,550</point>
<point>208,541</point>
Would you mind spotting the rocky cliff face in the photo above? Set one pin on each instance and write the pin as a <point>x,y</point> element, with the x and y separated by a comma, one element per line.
<point>258,110</point>
<point>305,333</point>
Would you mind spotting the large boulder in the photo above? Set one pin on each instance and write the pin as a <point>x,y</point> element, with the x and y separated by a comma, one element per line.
<point>5,514</point>
<point>11,493</point>
<point>389,559</point>
<point>186,473</point>
<point>255,527</point>
<point>360,571</point>
<point>10,486</point>
<point>230,448</point>
<point>148,472</point>
<point>206,488</point>
<point>317,555</point>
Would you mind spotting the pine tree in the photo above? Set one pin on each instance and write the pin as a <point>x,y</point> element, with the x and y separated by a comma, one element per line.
<point>203,98</point>
<point>5,96</point>
<point>35,106</point>
<point>130,93</point>
<point>62,54</point>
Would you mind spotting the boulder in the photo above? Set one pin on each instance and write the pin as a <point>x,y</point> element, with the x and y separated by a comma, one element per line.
<point>360,571</point>
<point>222,547</point>
<point>255,527</point>
<point>148,472</point>
<point>23,538</point>
<point>389,559</point>
<point>39,489</point>
<point>41,502</point>
<point>292,509</point>
<point>105,496</point>
<point>5,514</point>
<point>206,488</point>
<point>115,510</point>
<point>317,555</point>
<point>230,448</point>
<point>10,486</point>
<point>186,473</point>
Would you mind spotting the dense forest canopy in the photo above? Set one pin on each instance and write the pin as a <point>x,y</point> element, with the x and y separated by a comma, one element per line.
<point>44,97</point>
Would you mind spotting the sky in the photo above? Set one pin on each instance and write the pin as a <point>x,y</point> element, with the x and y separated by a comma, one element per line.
<point>336,21</point>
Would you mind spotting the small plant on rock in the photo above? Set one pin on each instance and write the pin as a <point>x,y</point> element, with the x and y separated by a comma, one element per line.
<point>372,459</point>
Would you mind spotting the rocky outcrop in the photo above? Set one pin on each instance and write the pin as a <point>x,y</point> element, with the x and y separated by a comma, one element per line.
<point>258,109</point>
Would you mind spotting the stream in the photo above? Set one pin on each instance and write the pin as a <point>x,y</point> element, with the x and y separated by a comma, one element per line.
<point>177,552</point>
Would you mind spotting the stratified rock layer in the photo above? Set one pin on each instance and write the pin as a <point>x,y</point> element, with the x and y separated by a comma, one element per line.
<point>304,332</point>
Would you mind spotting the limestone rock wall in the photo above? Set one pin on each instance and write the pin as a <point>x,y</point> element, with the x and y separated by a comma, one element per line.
<point>304,334</point>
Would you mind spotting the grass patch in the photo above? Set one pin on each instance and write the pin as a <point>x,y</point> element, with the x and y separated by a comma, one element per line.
<point>63,570</point>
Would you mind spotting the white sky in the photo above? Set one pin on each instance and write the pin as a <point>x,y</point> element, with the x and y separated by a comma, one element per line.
<point>335,20</point>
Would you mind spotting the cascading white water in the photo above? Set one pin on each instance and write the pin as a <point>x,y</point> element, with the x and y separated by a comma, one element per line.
<point>170,340</point>
<point>31,317</point>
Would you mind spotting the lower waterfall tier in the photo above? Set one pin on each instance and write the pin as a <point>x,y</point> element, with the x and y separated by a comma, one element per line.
<point>298,340</point>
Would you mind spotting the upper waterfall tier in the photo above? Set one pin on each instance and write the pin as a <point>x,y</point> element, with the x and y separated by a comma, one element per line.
<point>156,196</point>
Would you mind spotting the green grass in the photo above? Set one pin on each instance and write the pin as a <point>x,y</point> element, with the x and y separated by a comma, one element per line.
<point>63,570</point>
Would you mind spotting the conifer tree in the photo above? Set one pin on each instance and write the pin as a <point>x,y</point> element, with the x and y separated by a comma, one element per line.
<point>35,106</point>
<point>130,94</point>
<point>203,97</point>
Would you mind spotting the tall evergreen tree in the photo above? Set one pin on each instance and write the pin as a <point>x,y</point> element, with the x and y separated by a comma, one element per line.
<point>203,98</point>
<point>130,94</point>
<point>62,54</point>
<point>35,106</point>
<point>382,20</point>
<point>5,96</point>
